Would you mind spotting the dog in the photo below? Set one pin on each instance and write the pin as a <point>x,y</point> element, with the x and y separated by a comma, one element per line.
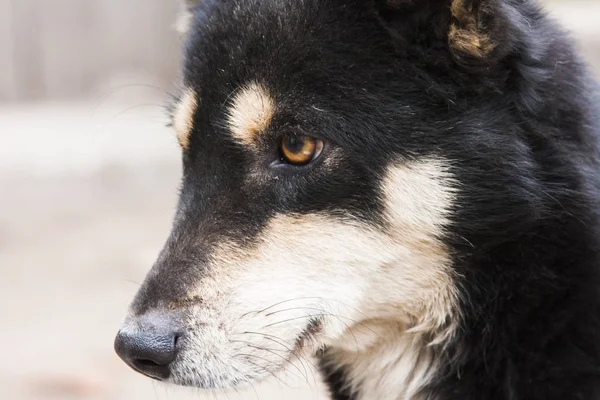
<point>407,190</point>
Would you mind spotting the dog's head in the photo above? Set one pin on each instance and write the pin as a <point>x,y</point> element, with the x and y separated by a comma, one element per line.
<point>325,148</point>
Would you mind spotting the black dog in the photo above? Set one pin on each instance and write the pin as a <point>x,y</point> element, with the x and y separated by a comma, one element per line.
<point>407,189</point>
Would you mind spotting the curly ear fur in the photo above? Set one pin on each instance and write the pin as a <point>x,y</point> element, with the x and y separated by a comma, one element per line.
<point>469,35</point>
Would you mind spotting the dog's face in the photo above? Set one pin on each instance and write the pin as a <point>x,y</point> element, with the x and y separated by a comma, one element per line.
<point>321,178</point>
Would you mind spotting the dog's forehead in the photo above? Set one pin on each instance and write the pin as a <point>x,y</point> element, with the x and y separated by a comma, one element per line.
<point>283,45</point>
<point>252,65</point>
<point>256,68</point>
<point>228,37</point>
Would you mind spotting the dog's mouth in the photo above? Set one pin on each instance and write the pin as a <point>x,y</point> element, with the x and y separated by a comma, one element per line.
<point>231,362</point>
<point>313,328</point>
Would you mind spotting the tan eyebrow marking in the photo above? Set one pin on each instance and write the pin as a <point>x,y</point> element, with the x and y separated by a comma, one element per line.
<point>251,113</point>
<point>183,117</point>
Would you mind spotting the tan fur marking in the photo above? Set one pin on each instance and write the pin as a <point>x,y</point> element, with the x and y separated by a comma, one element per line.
<point>465,34</point>
<point>390,356</point>
<point>464,12</point>
<point>250,114</point>
<point>183,117</point>
<point>418,199</point>
<point>396,367</point>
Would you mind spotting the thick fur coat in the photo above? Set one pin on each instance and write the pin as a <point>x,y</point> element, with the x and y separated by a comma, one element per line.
<point>443,244</point>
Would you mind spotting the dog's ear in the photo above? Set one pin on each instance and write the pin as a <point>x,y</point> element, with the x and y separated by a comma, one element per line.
<point>185,16</point>
<point>476,31</point>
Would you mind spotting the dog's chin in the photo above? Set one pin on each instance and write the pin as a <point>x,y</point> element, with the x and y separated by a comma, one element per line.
<point>208,381</point>
<point>223,376</point>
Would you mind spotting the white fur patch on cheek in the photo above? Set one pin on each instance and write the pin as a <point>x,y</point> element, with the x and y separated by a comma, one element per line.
<point>418,199</point>
<point>303,268</point>
<point>312,261</point>
<point>395,355</point>
<point>419,196</point>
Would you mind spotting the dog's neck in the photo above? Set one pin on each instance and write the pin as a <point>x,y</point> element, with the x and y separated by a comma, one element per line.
<point>380,362</point>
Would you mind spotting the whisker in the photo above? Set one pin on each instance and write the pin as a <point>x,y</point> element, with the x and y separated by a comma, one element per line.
<point>277,304</point>
<point>108,93</point>
<point>264,368</point>
<point>135,107</point>
<point>307,298</point>
<point>237,88</point>
<point>305,375</point>
<point>282,343</point>
<point>296,318</point>
<point>273,351</point>
<point>323,314</point>
<point>247,379</point>
<point>321,311</point>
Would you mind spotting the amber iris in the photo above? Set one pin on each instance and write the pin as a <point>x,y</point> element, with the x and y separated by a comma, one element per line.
<point>300,150</point>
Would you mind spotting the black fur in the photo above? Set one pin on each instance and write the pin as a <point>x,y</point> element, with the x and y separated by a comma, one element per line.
<point>518,120</point>
<point>336,377</point>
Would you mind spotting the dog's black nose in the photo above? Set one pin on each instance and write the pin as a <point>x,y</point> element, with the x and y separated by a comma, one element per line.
<point>147,348</point>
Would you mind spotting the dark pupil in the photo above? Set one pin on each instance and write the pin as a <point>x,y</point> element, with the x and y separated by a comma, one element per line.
<point>294,144</point>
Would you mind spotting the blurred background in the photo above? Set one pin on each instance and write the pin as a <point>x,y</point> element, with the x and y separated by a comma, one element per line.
<point>88,184</point>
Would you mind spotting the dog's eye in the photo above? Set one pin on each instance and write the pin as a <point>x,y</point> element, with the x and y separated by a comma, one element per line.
<point>300,150</point>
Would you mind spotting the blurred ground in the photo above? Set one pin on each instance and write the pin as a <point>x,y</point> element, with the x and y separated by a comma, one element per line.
<point>87,191</point>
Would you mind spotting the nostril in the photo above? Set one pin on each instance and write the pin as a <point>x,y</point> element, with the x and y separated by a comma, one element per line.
<point>146,363</point>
